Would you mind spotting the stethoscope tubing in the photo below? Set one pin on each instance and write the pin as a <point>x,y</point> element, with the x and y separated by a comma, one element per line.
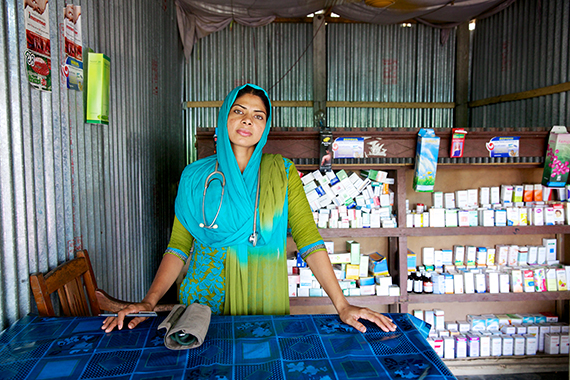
<point>209,179</point>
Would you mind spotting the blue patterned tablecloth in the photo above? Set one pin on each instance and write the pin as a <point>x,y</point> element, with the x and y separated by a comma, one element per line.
<point>243,347</point>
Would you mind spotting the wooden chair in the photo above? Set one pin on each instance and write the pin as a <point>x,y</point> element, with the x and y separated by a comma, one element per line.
<point>75,284</point>
<point>113,305</point>
<point>77,289</point>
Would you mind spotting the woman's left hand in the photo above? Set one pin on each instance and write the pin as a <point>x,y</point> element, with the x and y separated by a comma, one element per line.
<point>351,314</point>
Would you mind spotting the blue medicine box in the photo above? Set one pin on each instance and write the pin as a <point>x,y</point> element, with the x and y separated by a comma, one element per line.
<point>427,151</point>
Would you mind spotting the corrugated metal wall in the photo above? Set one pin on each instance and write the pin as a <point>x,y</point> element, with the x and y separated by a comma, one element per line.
<point>263,55</point>
<point>389,63</point>
<point>523,48</point>
<point>66,185</point>
<point>373,63</point>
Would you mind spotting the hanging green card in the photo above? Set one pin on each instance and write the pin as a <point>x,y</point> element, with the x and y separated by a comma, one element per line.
<point>97,89</point>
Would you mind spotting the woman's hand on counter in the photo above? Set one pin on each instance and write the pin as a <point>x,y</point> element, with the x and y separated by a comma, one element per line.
<point>111,322</point>
<point>351,314</point>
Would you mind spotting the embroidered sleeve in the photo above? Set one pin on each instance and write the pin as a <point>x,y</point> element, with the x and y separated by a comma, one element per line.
<point>180,241</point>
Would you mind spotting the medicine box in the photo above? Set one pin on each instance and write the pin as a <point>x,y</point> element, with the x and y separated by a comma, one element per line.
<point>496,345</point>
<point>427,151</point>
<point>531,344</point>
<point>473,344</point>
<point>555,173</point>
<point>460,346</point>
<point>476,322</point>
<point>484,345</point>
<point>448,348</point>
<point>518,345</point>
<point>508,345</point>
<point>543,329</point>
<point>564,344</point>
<point>439,319</point>
<point>463,326</point>
<point>378,264</point>
<point>552,343</point>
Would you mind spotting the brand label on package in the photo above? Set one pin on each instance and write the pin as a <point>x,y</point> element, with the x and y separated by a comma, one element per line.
<point>348,147</point>
<point>503,147</point>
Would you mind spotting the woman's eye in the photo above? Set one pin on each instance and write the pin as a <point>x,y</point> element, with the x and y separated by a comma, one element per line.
<point>259,117</point>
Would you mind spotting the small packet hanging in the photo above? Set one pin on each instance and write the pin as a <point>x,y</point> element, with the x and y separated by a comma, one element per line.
<point>186,326</point>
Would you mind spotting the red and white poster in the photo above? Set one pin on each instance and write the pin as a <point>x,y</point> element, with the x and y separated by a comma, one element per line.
<point>38,54</point>
<point>73,64</point>
<point>72,27</point>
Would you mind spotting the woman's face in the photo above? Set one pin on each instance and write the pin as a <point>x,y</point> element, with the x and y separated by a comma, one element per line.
<point>246,121</point>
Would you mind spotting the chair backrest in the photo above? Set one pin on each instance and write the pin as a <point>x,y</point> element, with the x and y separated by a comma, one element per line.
<point>75,284</point>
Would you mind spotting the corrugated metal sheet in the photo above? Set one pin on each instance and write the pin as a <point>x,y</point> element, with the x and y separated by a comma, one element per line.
<point>270,56</point>
<point>525,47</point>
<point>365,63</point>
<point>389,63</point>
<point>67,185</point>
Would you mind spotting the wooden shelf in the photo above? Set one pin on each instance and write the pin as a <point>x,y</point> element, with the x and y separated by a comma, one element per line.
<point>485,297</point>
<point>443,231</point>
<point>510,230</point>
<point>508,364</point>
<point>359,232</point>
<point>357,301</point>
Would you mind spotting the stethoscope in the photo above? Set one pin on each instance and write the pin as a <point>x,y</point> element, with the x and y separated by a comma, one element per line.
<point>209,179</point>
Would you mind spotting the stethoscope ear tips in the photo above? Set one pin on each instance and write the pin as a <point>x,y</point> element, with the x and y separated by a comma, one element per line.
<point>201,225</point>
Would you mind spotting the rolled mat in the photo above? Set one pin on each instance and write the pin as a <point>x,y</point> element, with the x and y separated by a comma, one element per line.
<point>186,326</point>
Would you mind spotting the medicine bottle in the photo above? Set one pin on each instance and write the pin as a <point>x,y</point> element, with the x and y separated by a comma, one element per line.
<point>428,284</point>
<point>418,283</point>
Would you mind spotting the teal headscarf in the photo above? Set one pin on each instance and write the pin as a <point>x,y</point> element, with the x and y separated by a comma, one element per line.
<point>236,216</point>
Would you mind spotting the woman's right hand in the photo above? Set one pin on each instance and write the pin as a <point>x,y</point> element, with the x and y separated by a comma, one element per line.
<point>111,322</point>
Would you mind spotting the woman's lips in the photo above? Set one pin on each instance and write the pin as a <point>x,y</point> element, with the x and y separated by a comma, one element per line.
<point>244,132</point>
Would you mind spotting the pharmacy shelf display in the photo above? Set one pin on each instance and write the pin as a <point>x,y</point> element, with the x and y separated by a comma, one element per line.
<point>399,145</point>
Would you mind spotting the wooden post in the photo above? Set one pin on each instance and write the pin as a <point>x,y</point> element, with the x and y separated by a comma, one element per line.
<point>461,119</point>
<point>319,64</point>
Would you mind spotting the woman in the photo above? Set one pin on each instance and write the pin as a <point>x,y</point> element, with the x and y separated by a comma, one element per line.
<point>239,230</point>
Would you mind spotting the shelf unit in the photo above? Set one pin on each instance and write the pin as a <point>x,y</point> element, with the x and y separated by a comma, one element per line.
<point>302,145</point>
<point>398,243</point>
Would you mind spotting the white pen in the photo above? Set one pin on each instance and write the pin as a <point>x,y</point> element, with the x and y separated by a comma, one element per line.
<point>141,314</point>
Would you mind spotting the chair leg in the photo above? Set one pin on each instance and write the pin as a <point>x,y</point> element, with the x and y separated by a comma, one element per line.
<point>114,305</point>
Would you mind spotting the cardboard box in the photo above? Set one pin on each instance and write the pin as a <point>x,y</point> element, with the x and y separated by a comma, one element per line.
<point>564,344</point>
<point>519,345</point>
<point>448,348</point>
<point>484,345</point>
<point>460,346</point>
<point>427,152</point>
<point>531,344</point>
<point>457,141</point>
<point>496,345</point>
<point>508,345</point>
<point>473,344</point>
<point>557,160</point>
<point>552,343</point>
<point>378,264</point>
<point>97,88</point>
<point>504,146</point>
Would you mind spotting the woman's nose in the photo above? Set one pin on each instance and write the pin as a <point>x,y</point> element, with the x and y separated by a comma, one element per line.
<point>246,120</point>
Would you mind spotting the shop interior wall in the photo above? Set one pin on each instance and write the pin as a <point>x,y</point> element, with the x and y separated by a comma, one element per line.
<point>364,63</point>
<point>66,185</point>
<point>526,47</point>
